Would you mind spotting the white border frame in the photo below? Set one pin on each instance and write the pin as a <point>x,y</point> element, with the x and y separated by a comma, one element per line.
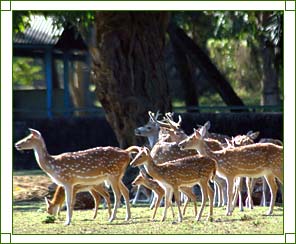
<point>6,116</point>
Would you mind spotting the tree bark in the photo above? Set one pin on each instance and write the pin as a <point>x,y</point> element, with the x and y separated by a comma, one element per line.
<point>270,87</point>
<point>204,63</point>
<point>129,69</point>
<point>183,67</point>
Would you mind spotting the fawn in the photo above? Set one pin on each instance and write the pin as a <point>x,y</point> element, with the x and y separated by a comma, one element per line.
<point>88,167</point>
<point>53,206</point>
<point>255,160</point>
<point>182,172</point>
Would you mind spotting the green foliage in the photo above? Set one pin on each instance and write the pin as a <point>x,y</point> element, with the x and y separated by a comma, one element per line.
<point>80,19</point>
<point>26,71</point>
<point>234,41</point>
<point>49,219</point>
<point>28,220</point>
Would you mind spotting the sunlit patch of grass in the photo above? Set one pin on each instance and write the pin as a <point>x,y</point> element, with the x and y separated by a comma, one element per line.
<point>28,219</point>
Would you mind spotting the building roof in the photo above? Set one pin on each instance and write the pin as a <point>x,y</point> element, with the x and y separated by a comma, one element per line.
<point>42,31</point>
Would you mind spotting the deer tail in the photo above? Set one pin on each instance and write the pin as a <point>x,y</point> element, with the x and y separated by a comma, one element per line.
<point>213,175</point>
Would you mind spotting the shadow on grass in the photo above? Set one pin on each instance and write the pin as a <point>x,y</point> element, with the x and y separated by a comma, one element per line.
<point>26,206</point>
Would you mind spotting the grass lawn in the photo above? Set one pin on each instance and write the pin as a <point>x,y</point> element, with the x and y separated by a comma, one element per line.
<point>29,217</point>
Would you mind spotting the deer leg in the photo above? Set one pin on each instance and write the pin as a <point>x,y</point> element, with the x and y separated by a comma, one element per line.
<point>236,190</point>
<point>210,194</point>
<point>218,193</point>
<point>105,194</point>
<point>178,202</point>
<point>117,195</point>
<point>168,200</point>
<point>124,191</point>
<point>264,197</point>
<point>137,194</point>
<point>158,199</point>
<point>69,202</point>
<point>190,195</point>
<point>230,183</point>
<point>152,200</point>
<point>249,183</point>
<point>203,188</point>
<point>240,196</point>
<point>273,189</point>
<point>97,200</point>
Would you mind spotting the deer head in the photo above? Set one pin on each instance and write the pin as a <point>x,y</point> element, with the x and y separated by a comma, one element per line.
<point>51,208</point>
<point>141,157</point>
<point>30,141</point>
<point>149,129</point>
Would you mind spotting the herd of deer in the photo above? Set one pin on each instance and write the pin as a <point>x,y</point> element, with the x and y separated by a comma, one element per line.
<point>175,163</point>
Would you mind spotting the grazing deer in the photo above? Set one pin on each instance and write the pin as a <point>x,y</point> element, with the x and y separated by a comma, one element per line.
<point>255,160</point>
<point>53,206</point>
<point>88,167</point>
<point>182,172</point>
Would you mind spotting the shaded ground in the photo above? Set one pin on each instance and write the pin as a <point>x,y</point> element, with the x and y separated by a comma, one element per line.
<point>31,187</point>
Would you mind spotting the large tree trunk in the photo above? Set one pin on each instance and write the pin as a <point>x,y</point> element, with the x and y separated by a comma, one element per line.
<point>78,87</point>
<point>185,72</point>
<point>204,63</point>
<point>270,87</point>
<point>129,70</point>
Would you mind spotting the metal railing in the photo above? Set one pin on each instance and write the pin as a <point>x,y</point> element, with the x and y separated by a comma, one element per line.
<point>91,111</point>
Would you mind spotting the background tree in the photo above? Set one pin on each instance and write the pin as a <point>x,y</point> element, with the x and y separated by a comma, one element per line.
<point>130,69</point>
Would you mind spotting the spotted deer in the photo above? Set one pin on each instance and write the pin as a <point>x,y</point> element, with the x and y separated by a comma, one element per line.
<point>255,160</point>
<point>243,140</point>
<point>166,148</point>
<point>88,167</point>
<point>178,173</point>
<point>142,179</point>
<point>53,206</point>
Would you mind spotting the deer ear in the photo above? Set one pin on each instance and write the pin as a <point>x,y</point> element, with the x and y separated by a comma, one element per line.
<point>254,135</point>
<point>207,125</point>
<point>35,132</point>
<point>203,131</point>
<point>47,202</point>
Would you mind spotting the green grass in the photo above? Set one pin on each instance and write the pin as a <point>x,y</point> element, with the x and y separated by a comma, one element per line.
<point>30,218</point>
<point>28,172</point>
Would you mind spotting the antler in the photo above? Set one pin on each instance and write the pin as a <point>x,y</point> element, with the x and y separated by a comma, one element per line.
<point>160,123</point>
<point>170,120</point>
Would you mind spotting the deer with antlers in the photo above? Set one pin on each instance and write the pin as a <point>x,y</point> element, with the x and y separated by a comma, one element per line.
<point>178,173</point>
<point>88,167</point>
<point>255,160</point>
<point>53,206</point>
<point>170,134</point>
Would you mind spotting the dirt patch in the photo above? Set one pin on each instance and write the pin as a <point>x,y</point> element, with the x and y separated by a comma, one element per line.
<point>36,187</point>
<point>31,187</point>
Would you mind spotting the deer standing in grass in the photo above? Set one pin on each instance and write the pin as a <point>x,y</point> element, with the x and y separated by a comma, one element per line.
<point>237,141</point>
<point>53,206</point>
<point>255,160</point>
<point>88,167</point>
<point>182,172</point>
<point>142,179</point>
<point>246,140</point>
